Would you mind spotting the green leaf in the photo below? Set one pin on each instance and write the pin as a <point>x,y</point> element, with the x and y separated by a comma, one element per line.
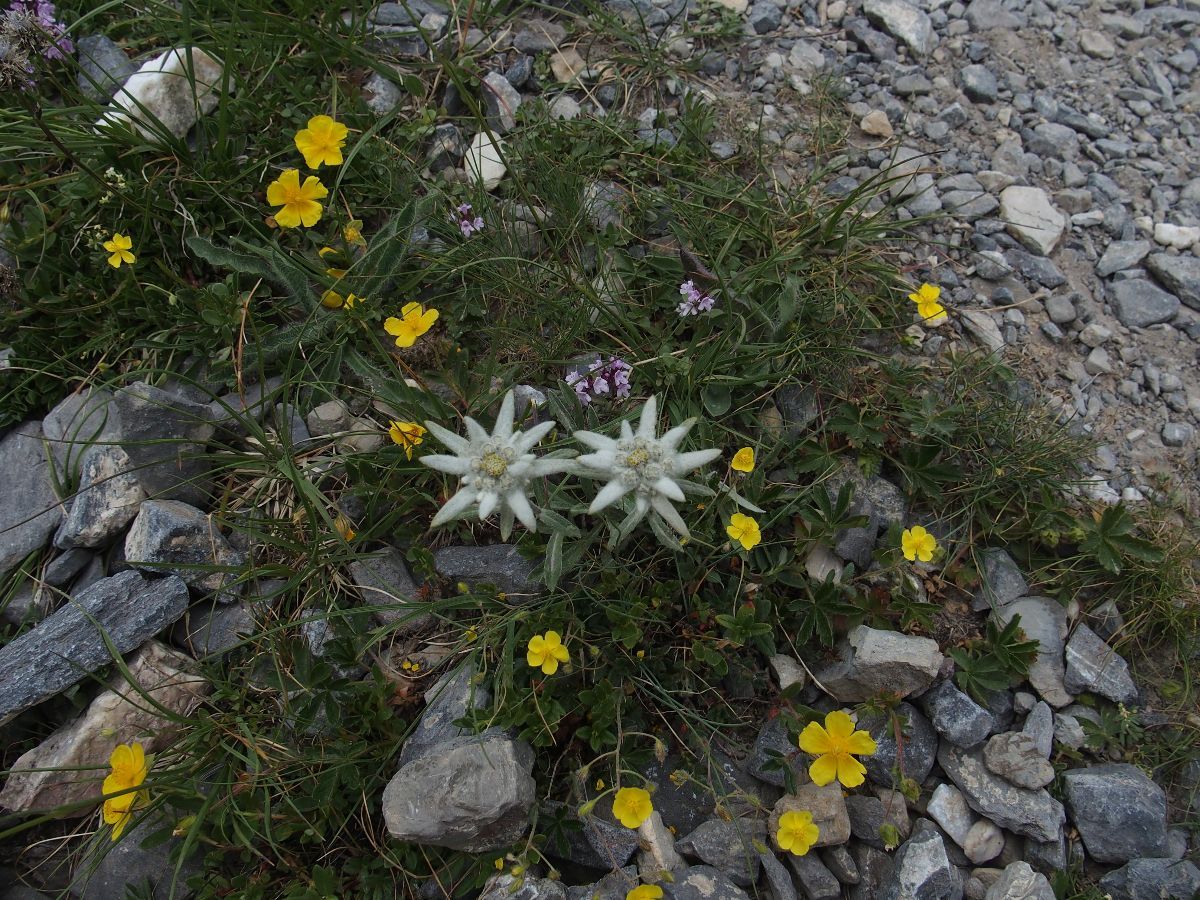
<point>717,399</point>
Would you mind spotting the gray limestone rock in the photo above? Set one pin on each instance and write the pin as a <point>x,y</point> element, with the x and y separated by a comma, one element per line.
<point>1000,580</point>
<point>920,744</point>
<point>1121,255</point>
<point>869,814</point>
<point>705,883</point>
<point>170,536</point>
<point>507,886</point>
<point>500,101</point>
<point>1094,666</point>
<point>728,846</point>
<point>103,67</point>
<point>498,564</point>
<point>985,15</point>
<point>978,83</point>
<point>778,882</point>
<point>1016,757</point>
<point>839,861</point>
<point>108,499</point>
<point>1018,881</point>
<point>904,22</point>
<point>1032,813</point>
<point>210,628</point>
<point>595,843</point>
<point>63,649</point>
<point>955,716</point>
<point>383,580</point>
<point>1120,813</point>
<point>1039,725</point>
<point>827,806</point>
<point>127,866</point>
<point>772,744</point>
<point>451,698</point>
<point>475,794</point>
<point>1178,274</point>
<point>1139,303</point>
<point>874,868</point>
<point>815,879</point>
<point>539,36</point>
<point>922,869</point>
<point>29,508</point>
<point>871,662</point>
<point>1153,879</point>
<point>1045,621</point>
<point>1031,218</point>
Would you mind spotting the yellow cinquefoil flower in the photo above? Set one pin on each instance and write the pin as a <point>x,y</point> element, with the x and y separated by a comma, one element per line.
<point>322,141</point>
<point>743,460</point>
<point>797,833</point>
<point>414,321</point>
<point>344,527</point>
<point>833,746</point>
<point>119,247</point>
<point>645,892</point>
<point>298,201</point>
<point>546,651</point>
<point>129,770</point>
<point>744,529</point>
<point>353,233</point>
<point>928,306</point>
<point>632,806</point>
<point>406,435</point>
<point>917,543</point>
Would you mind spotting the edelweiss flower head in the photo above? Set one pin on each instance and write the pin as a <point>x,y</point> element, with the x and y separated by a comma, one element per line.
<point>496,469</point>
<point>645,465</point>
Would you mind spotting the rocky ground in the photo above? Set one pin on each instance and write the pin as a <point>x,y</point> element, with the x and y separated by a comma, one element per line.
<point>1060,142</point>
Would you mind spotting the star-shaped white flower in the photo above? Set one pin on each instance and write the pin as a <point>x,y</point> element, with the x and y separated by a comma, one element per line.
<point>645,465</point>
<point>496,469</point>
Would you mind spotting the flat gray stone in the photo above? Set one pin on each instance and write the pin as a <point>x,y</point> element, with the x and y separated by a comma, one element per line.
<point>108,499</point>
<point>500,101</point>
<point>955,716</point>
<point>452,697</point>
<point>170,536</point>
<point>869,814</point>
<point>1139,303</point>
<point>1018,881</point>
<point>1043,620</point>
<point>475,794</point>
<point>29,508</point>
<point>1015,757</point>
<point>1121,255</point>
<point>1039,725</point>
<point>103,67</point>
<point>1000,580</point>
<point>904,22</point>
<point>985,15</point>
<point>728,846</point>
<point>1094,666</point>
<point>383,580</point>
<point>871,662</point>
<point>1031,218</point>
<point>596,843</point>
<point>815,879</point>
<point>1034,814</point>
<point>920,744</point>
<point>921,868</point>
<point>125,866</point>
<point>1153,879</point>
<point>1178,274</point>
<point>63,649</point>
<point>539,36</point>
<point>705,883</point>
<point>1120,813</point>
<point>498,564</point>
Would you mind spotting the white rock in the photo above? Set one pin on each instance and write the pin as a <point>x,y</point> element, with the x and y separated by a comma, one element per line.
<point>787,671</point>
<point>567,65</point>
<point>564,106</point>
<point>483,160</point>
<point>948,807</point>
<point>876,124</point>
<point>118,715</point>
<point>738,6</point>
<point>983,328</point>
<point>1032,218</point>
<point>1178,236</point>
<point>821,563</point>
<point>658,855</point>
<point>983,842</point>
<point>170,90</point>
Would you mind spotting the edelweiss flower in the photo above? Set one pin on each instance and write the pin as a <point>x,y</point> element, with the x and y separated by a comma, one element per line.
<point>644,464</point>
<point>496,469</point>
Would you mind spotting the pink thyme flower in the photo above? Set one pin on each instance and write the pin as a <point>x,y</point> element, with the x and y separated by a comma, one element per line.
<point>601,379</point>
<point>468,223</point>
<point>694,300</point>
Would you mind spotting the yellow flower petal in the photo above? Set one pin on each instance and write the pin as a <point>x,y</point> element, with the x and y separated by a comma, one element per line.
<point>824,769</point>
<point>743,460</point>
<point>815,739</point>
<point>839,725</point>
<point>850,772</point>
<point>862,744</point>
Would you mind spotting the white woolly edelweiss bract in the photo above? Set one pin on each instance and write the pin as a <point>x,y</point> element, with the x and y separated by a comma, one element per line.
<point>645,465</point>
<point>496,469</point>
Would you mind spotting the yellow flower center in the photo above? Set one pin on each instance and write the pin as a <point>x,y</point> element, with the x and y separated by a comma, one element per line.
<point>493,464</point>
<point>637,458</point>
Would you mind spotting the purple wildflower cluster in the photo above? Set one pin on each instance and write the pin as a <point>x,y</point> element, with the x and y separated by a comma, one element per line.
<point>602,379</point>
<point>694,300</point>
<point>46,18</point>
<point>468,223</point>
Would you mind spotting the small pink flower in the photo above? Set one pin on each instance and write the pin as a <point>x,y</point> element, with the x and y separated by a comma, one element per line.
<point>468,223</point>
